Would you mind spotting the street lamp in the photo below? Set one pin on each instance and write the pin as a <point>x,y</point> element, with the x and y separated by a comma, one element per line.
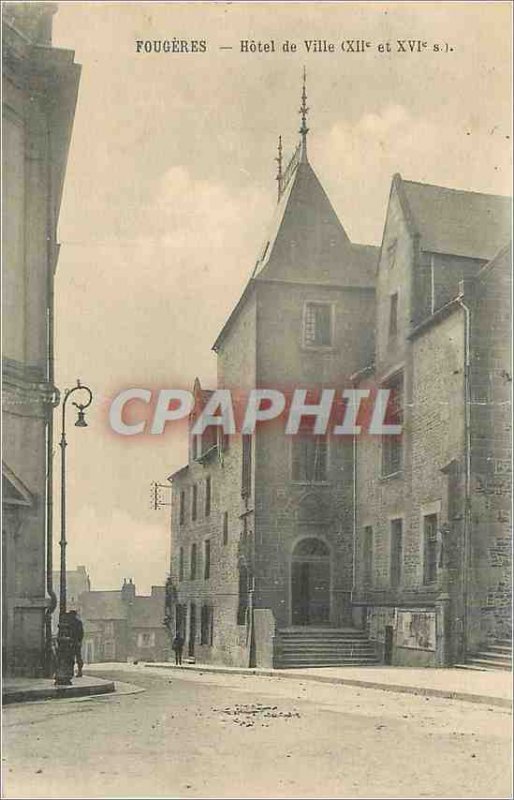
<point>65,652</point>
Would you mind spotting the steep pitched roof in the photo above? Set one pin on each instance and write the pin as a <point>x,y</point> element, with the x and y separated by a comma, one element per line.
<point>103,605</point>
<point>306,242</point>
<point>457,222</point>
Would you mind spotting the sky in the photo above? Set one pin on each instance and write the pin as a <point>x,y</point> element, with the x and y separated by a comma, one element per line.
<point>171,184</point>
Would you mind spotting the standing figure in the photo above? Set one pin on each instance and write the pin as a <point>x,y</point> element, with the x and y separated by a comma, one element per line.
<point>77,630</point>
<point>178,646</point>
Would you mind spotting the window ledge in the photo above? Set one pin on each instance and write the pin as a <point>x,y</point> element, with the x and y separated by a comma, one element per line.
<point>392,475</point>
<point>318,348</point>
<point>311,483</point>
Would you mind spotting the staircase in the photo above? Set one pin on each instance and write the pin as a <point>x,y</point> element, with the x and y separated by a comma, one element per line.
<point>496,654</point>
<point>322,647</point>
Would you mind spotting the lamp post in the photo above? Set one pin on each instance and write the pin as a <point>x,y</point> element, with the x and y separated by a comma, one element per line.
<point>65,651</point>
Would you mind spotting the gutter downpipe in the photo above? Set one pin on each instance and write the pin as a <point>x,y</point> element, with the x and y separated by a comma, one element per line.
<point>52,255</point>
<point>467,456</point>
<point>354,518</point>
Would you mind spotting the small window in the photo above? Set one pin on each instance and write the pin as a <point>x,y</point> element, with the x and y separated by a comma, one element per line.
<point>309,462</point>
<point>181,564</point>
<point>391,253</point>
<point>182,511</point>
<point>246,476</point>
<point>207,496</point>
<point>225,527</point>
<point>193,562</point>
<point>392,445</point>
<point>206,625</point>
<point>367,557</point>
<point>396,552</point>
<point>393,315</point>
<point>318,325</point>
<point>207,559</point>
<point>146,639</point>
<point>430,548</point>
<point>194,502</point>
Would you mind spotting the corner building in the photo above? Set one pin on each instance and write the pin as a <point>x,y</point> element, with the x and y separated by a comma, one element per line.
<point>323,550</point>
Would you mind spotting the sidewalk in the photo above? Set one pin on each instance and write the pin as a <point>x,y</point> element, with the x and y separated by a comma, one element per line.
<point>493,688</point>
<point>23,690</point>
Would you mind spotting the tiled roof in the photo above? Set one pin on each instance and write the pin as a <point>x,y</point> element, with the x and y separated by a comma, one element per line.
<point>306,242</point>
<point>102,605</point>
<point>458,222</point>
<point>148,612</point>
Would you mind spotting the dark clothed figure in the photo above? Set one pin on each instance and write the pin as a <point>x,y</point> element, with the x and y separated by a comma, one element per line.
<point>178,646</point>
<point>77,633</point>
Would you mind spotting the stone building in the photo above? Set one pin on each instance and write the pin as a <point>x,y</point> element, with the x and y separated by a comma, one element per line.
<point>323,549</point>
<point>40,85</point>
<point>121,626</point>
<point>432,583</point>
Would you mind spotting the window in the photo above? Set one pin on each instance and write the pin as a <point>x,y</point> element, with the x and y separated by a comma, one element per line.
<point>309,461</point>
<point>243,595</point>
<point>146,639</point>
<point>193,562</point>
<point>194,503</point>
<point>225,527</point>
<point>207,496</point>
<point>246,476</point>
<point>391,253</point>
<point>393,315</point>
<point>317,331</point>
<point>430,548</point>
<point>367,557</point>
<point>392,446</point>
<point>182,510</point>
<point>207,559</point>
<point>396,552</point>
<point>206,625</point>
<point>181,564</point>
<point>109,651</point>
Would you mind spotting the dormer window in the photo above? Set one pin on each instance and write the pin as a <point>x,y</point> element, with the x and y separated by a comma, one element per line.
<point>317,325</point>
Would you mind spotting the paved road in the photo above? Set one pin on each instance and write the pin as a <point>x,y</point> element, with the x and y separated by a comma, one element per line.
<point>203,735</point>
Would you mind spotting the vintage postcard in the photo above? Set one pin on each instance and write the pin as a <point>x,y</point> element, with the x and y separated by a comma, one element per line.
<point>257,376</point>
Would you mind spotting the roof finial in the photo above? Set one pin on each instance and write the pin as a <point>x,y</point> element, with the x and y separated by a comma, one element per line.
<point>278,159</point>
<point>304,110</point>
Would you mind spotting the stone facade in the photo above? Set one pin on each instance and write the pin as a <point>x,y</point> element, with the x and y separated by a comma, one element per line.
<point>407,538</point>
<point>453,590</point>
<point>40,85</point>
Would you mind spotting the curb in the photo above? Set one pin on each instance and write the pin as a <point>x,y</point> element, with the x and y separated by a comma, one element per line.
<point>56,693</point>
<point>500,702</point>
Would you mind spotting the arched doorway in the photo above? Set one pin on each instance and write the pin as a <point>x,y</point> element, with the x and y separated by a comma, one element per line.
<point>310,583</point>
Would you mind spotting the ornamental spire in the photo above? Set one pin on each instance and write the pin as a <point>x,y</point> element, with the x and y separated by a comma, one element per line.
<point>303,111</point>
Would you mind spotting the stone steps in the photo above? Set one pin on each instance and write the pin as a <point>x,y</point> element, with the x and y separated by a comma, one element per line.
<point>322,647</point>
<point>496,655</point>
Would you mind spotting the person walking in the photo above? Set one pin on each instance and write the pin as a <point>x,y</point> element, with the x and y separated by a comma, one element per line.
<point>77,632</point>
<point>178,646</point>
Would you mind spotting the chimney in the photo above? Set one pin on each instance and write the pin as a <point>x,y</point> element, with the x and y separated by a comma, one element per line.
<point>128,591</point>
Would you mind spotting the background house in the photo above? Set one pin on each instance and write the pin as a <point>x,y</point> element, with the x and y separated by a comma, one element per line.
<point>121,626</point>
